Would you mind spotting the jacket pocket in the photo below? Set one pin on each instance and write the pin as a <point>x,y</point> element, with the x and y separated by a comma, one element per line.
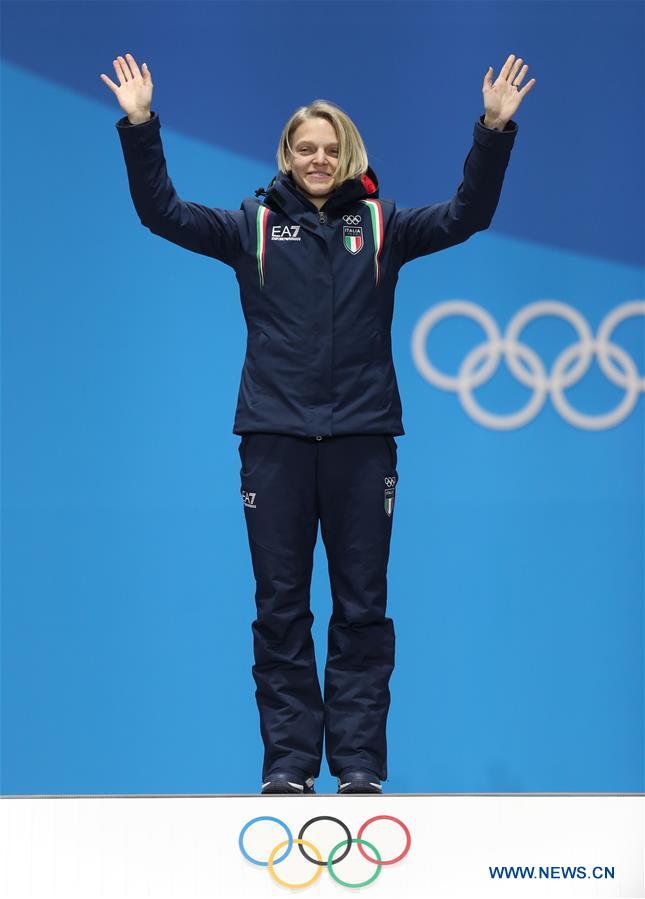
<point>255,365</point>
<point>254,449</point>
<point>392,447</point>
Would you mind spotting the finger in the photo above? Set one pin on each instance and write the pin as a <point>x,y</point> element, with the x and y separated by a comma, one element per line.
<point>119,73</point>
<point>127,74</point>
<point>488,77</point>
<point>506,68</point>
<point>133,65</point>
<point>514,69</point>
<point>109,83</point>
<point>520,77</point>
<point>527,87</point>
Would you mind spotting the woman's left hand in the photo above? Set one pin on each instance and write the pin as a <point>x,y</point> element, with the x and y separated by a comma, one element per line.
<point>502,98</point>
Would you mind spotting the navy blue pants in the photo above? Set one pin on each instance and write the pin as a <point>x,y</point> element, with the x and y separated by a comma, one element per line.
<point>347,483</point>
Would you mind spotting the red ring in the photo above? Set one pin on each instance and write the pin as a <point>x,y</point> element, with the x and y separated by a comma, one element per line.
<point>392,861</point>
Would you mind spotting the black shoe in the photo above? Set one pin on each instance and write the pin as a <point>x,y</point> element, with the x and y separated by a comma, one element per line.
<point>359,781</point>
<point>288,782</point>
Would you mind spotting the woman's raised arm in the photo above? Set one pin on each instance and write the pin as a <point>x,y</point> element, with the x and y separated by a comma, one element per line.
<point>202,229</point>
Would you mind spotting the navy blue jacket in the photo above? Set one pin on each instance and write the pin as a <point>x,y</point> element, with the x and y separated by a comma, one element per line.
<point>317,287</point>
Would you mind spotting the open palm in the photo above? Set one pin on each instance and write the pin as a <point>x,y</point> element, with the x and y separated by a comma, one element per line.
<point>502,98</point>
<point>134,91</point>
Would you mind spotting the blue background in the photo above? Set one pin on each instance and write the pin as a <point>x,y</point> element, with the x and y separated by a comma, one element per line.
<point>516,578</point>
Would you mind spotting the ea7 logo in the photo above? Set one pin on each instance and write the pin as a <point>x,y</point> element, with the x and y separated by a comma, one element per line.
<point>249,499</point>
<point>285,232</point>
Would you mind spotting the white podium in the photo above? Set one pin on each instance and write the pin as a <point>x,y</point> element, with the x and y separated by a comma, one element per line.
<point>390,845</point>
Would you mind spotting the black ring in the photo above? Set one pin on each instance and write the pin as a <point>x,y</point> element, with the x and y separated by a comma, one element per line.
<point>325,818</point>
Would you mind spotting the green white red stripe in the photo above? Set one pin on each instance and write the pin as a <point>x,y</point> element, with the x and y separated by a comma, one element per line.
<point>376,215</point>
<point>261,227</point>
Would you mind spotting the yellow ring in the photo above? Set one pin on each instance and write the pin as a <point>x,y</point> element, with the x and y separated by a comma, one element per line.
<point>284,883</point>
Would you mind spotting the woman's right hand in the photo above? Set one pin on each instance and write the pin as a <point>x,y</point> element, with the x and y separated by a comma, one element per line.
<point>134,91</point>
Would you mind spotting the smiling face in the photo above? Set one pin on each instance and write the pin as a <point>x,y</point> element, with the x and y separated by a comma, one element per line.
<point>314,159</point>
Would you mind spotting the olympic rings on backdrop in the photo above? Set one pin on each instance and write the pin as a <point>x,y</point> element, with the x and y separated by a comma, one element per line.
<point>331,861</point>
<point>525,364</point>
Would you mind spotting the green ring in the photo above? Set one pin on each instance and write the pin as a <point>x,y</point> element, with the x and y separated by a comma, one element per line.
<point>345,883</point>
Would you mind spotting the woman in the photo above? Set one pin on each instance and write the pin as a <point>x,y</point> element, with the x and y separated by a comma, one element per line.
<point>318,408</point>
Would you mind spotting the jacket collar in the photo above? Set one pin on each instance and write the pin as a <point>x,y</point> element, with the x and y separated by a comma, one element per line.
<point>284,193</point>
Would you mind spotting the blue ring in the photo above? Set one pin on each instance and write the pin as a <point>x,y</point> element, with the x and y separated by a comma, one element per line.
<point>265,818</point>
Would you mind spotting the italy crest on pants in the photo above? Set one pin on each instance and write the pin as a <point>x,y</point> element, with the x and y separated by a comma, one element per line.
<point>389,500</point>
<point>353,239</point>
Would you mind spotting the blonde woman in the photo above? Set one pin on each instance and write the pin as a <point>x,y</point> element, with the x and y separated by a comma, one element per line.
<point>317,256</point>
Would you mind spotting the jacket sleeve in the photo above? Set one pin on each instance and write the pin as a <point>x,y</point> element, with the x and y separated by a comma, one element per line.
<point>202,229</point>
<point>426,229</point>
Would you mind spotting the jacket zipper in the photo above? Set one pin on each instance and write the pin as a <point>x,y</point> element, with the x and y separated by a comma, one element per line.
<point>321,216</point>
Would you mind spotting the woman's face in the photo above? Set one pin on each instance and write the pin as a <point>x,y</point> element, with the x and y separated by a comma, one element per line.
<point>315,157</point>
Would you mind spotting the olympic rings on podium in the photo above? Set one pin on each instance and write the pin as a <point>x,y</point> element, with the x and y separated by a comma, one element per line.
<point>336,821</point>
<point>285,883</point>
<point>408,839</point>
<point>318,861</point>
<point>364,883</point>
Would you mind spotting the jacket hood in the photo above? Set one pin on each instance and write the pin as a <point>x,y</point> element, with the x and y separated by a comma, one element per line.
<point>285,193</point>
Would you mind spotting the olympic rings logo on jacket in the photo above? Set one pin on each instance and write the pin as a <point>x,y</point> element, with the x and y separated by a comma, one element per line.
<point>272,861</point>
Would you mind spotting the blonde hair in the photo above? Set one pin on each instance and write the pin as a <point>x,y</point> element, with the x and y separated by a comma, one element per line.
<point>352,155</point>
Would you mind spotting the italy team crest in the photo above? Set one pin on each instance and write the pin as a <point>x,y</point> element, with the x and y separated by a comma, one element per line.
<point>389,500</point>
<point>353,239</point>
